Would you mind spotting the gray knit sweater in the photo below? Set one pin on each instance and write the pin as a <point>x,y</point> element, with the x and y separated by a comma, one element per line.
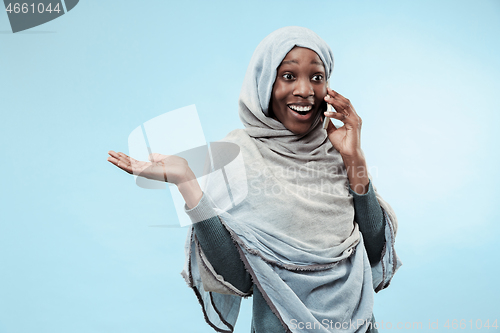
<point>220,250</point>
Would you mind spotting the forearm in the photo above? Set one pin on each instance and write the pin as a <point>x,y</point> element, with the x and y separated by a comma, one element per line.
<point>191,192</point>
<point>357,172</point>
<point>370,218</point>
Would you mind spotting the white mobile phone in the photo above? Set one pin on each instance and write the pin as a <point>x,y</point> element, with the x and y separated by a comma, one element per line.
<point>337,123</point>
<point>326,120</point>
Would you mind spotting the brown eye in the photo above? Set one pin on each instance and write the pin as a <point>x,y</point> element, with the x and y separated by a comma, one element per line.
<point>288,76</point>
<point>317,77</point>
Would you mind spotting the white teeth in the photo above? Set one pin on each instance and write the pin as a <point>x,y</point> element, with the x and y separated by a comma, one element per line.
<point>300,108</point>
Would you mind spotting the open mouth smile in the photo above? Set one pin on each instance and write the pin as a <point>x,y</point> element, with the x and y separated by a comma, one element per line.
<point>301,109</point>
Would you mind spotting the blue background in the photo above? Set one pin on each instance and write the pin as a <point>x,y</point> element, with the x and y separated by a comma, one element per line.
<point>77,250</point>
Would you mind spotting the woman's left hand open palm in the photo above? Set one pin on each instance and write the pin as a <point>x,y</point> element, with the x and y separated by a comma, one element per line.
<point>346,139</point>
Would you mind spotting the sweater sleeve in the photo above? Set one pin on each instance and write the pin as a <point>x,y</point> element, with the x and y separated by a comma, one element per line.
<point>370,218</point>
<point>217,245</point>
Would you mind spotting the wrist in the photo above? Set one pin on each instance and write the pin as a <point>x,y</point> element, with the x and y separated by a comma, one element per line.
<point>360,186</point>
<point>355,157</point>
<point>191,192</point>
<point>357,172</point>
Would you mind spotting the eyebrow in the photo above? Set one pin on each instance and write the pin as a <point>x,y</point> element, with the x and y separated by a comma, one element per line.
<point>314,62</point>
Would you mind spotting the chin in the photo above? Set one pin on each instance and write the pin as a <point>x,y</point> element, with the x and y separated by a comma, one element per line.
<point>299,130</point>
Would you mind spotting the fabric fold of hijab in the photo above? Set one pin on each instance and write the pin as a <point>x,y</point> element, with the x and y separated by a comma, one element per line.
<point>297,181</point>
<point>295,229</point>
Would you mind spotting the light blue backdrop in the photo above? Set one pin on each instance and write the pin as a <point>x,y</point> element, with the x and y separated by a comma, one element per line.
<point>77,253</point>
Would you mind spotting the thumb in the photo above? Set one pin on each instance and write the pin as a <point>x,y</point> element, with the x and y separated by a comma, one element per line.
<point>330,127</point>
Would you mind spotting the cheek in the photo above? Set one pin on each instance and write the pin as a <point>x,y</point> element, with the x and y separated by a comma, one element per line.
<point>279,93</point>
<point>322,91</point>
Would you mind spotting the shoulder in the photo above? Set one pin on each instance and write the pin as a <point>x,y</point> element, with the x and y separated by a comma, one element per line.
<point>237,135</point>
<point>242,142</point>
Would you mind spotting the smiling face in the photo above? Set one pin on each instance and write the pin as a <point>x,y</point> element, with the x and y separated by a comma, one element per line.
<point>299,90</point>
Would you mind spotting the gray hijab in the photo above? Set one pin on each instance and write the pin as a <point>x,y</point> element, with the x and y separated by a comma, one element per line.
<point>295,229</point>
<point>297,184</point>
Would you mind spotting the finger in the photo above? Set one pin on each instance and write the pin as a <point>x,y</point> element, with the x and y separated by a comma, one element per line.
<point>336,115</point>
<point>351,122</point>
<point>342,101</point>
<point>344,105</point>
<point>120,164</point>
<point>123,158</point>
<point>332,93</point>
<point>335,94</point>
<point>113,160</point>
<point>352,110</point>
<point>338,97</point>
<point>337,101</point>
<point>113,154</point>
<point>340,105</point>
<point>127,159</point>
<point>130,165</point>
<point>330,127</point>
<point>123,155</point>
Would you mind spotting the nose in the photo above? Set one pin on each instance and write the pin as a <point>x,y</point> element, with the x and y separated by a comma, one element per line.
<point>303,88</point>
